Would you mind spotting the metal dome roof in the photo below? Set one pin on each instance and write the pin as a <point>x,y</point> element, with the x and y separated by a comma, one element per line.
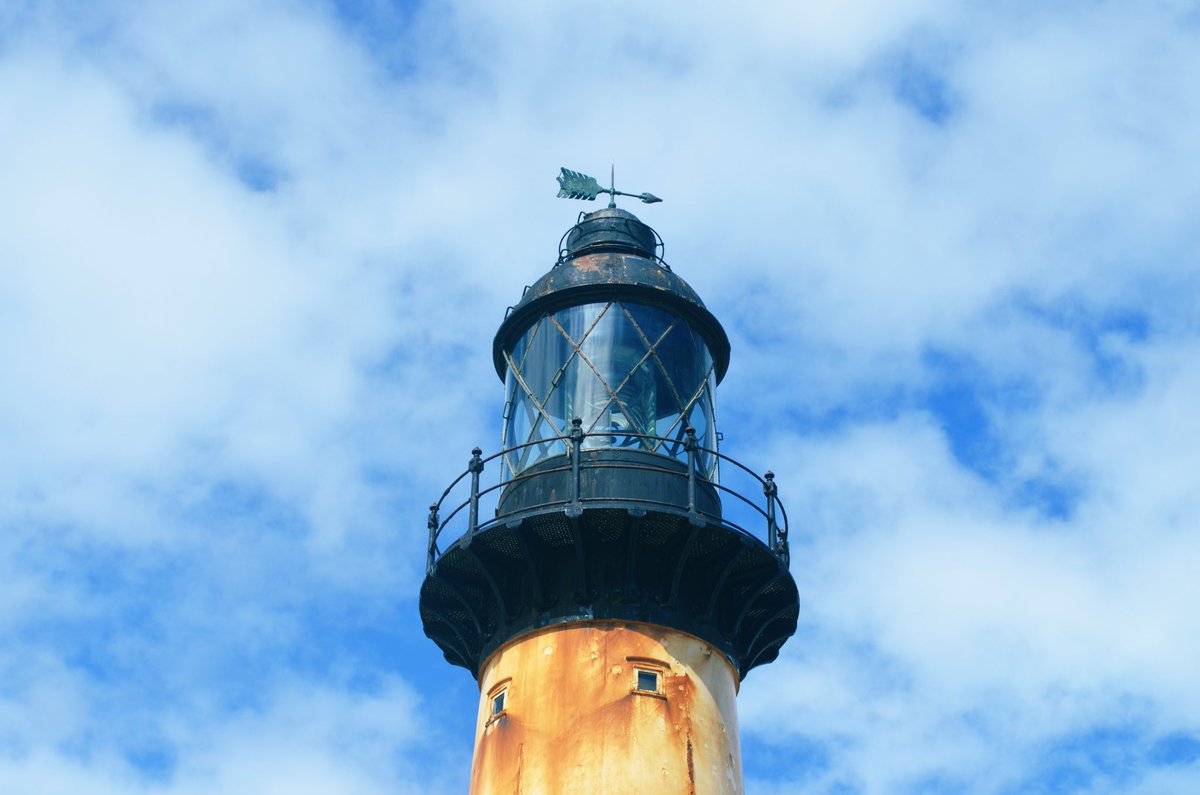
<point>610,255</point>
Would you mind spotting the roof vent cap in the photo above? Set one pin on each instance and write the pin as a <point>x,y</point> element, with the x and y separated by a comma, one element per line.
<point>611,229</point>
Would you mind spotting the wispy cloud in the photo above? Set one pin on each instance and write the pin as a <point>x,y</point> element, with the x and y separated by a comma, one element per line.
<point>253,255</point>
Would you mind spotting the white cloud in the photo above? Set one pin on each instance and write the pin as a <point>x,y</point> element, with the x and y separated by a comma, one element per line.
<point>297,739</point>
<point>254,253</point>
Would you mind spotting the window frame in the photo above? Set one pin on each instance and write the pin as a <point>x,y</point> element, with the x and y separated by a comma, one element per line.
<point>498,694</point>
<point>655,668</point>
<point>641,674</point>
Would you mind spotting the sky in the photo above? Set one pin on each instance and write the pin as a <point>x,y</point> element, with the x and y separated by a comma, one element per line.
<point>252,256</point>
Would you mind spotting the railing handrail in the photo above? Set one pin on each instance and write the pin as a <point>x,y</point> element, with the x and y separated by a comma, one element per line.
<point>777,533</point>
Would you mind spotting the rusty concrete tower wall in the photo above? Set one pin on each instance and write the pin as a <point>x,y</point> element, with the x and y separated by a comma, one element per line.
<point>607,707</point>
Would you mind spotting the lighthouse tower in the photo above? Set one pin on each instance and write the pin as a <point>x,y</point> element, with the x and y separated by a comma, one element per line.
<point>606,587</point>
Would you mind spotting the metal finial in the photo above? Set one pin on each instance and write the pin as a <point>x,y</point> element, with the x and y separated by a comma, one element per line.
<point>576,185</point>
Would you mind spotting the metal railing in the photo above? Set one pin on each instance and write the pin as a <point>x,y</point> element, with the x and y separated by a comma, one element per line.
<point>771,512</point>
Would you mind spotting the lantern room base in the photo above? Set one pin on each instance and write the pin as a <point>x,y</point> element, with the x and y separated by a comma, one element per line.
<point>609,560</point>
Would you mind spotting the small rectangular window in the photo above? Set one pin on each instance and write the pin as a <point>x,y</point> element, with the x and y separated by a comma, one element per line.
<point>498,703</point>
<point>647,681</point>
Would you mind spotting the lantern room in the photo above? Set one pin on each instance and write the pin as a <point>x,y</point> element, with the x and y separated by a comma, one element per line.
<point>613,337</point>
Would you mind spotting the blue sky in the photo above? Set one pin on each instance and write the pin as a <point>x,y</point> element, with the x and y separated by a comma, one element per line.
<point>252,256</point>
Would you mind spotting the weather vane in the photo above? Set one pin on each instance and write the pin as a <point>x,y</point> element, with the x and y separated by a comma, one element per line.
<point>574,185</point>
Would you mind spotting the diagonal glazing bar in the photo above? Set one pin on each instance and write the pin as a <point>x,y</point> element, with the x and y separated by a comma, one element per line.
<point>641,362</point>
<point>543,449</point>
<point>577,351</point>
<point>612,395</point>
<point>529,393</point>
<point>529,343</point>
<point>688,408</point>
<point>591,326</point>
<point>539,402</point>
<point>646,443</point>
<point>684,408</point>
<point>653,351</point>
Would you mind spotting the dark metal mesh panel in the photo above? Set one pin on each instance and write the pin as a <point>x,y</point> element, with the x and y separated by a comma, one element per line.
<point>456,560</point>
<point>500,539</point>
<point>780,625</point>
<point>551,529</point>
<point>709,540</point>
<point>776,588</point>
<point>460,616</point>
<point>754,616</point>
<point>658,529</point>
<point>474,593</point>
<point>606,525</point>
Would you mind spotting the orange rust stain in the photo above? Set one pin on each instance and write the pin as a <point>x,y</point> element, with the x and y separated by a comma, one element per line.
<point>590,264</point>
<point>691,769</point>
<point>576,726</point>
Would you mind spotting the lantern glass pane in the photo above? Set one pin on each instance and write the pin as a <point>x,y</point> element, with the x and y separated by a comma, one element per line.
<point>635,375</point>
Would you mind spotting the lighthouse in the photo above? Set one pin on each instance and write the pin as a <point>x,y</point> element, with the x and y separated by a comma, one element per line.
<point>607,575</point>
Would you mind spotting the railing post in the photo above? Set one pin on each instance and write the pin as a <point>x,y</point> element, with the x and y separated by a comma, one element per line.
<point>576,439</point>
<point>692,446</point>
<point>433,535</point>
<point>776,539</point>
<point>474,466</point>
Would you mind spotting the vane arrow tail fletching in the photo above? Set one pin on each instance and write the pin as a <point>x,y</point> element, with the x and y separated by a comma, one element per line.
<point>573,185</point>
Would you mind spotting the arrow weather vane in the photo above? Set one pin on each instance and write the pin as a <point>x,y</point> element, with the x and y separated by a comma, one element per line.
<point>574,185</point>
